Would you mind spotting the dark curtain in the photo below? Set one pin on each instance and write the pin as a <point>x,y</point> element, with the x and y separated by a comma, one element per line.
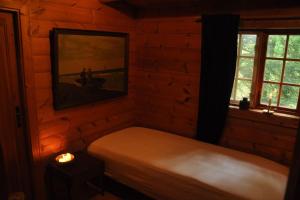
<point>219,51</point>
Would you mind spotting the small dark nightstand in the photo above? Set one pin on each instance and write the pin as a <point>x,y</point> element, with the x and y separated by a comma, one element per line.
<point>79,180</point>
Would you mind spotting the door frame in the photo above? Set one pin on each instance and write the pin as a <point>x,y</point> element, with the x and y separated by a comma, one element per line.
<point>28,166</point>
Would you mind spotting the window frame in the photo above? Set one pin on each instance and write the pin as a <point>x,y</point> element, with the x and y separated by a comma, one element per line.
<point>259,68</point>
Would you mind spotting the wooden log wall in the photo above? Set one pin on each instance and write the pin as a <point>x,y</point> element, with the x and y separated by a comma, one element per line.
<point>71,129</point>
<point>168,86</point>
<point>168,67</point>
<point>272,137</point>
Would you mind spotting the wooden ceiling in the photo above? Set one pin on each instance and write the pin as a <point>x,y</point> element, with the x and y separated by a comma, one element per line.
<point>213,3</point>
<point>185,7</point>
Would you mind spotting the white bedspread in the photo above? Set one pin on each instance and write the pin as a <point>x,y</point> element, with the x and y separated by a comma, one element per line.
<point>167,166</point>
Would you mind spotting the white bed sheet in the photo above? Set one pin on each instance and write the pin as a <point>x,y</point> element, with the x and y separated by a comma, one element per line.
<point>167,166</point>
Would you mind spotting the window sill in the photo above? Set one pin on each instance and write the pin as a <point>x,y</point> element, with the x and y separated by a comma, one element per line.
<point>281,119</point>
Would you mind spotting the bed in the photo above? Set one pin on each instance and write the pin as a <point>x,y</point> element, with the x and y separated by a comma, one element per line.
<point>166,166</point>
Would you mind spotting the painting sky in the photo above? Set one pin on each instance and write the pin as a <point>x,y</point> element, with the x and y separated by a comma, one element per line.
<point>97,53</point>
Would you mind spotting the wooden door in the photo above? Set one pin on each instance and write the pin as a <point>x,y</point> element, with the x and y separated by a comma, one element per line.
<point>12,134</point>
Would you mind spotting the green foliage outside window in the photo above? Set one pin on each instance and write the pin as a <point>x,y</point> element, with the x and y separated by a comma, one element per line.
<point>246,68</point>
<point>294,47</point>
<point>248,45</point>
<point>270,90</point>
<point>292,72</point>
<point>273,70</point>
<point>289,97</point>
<point>276,46</point>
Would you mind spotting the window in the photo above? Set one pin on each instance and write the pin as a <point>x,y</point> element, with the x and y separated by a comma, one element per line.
<point>244,69</point>
<point>281,80</point>
<point>268,70</point>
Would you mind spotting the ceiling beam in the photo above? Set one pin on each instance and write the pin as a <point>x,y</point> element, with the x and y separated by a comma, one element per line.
<point>171,8</point>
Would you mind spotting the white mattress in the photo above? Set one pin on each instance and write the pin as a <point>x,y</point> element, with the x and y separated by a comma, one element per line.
<point>167,166</point>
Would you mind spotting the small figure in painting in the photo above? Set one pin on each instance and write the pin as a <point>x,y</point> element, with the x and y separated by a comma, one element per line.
<point>83,78</point>
<point>90,75</point>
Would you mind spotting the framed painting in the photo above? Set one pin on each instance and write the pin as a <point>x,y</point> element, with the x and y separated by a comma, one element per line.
<point>88,66</point>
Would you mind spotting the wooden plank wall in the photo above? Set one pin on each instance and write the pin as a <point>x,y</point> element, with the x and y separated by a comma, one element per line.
<point>168,85</point>
<point>168,73</point>
<point>65,129</point>
<point>73,128</point>
<point>272,137</point>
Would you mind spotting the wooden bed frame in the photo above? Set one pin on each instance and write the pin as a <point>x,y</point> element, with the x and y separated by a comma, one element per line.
<point>123,191</point>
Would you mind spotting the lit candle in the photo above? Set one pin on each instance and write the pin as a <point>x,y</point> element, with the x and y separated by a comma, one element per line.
<point>270,99</point>
<point>64,158</point>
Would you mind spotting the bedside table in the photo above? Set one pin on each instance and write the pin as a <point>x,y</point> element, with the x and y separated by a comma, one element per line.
<point>79,180</point>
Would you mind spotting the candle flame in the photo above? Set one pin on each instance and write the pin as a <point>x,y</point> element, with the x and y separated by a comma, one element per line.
<point>271,95</point>
<point>64,158</point>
